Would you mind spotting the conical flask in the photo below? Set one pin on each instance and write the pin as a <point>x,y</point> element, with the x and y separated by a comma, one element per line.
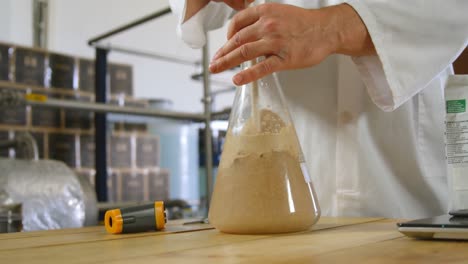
<point>262,184</point>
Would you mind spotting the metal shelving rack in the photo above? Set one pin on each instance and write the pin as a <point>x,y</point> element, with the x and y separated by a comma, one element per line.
<point>102,52</point>
<point>101,108</point>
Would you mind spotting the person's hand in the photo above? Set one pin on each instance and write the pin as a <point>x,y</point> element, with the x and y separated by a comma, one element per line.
<point>236,4</point>
<point>290,38</point>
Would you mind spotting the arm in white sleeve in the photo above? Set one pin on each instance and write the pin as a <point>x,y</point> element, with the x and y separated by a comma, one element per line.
<point>210,17</point>
<point>415,41</point>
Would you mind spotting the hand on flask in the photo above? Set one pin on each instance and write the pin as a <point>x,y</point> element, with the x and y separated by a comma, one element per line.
<point>290,38</point>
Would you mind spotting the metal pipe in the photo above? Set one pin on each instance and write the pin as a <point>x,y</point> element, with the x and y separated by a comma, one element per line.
<point>106,108</point>
<point>221,115</point>
<point>199,76</point>
<point>146,54</point>
<point>207,101</point>
<point>100,125</point>
<point>40,23</point>
<point>132,24</point>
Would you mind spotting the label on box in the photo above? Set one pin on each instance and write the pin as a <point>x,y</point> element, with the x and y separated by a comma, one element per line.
<point>158,184</point>
<point>132,187</point>
<point>13,115</point>
<point>36,97</point>
<point>120,151</point>
<point>30,67</point>
<point>147,151</point>
<point>455,106</point>
<point>86,76</point>
<point>62,69</point>
<point>121,79</point>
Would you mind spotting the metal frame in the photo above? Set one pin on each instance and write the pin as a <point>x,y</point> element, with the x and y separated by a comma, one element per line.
<point>100,126</point>
<point>107,108</point>
<point>100,118</point>
<point>130,25</point>
<point>146,54</point>
<point>40,23</point>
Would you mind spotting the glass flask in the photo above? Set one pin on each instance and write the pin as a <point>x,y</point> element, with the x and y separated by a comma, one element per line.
<point>262,186</point>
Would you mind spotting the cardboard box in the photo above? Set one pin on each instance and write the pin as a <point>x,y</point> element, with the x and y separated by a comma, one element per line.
<point>86,75</point>
<point>128,185</point>
<point>4,62</point>
<point>158,185</point>
<point>5,152</point>
<point>30,66</point>
<point>63,147</point>
<point>120,154</point>
<point>78,119</point>
<point>13,115</point>
<point>132,186</point>
<point>120,146</point>
<point>62,71</point>
<point>147,151</point>
<point>45,116</point>
<point>121,79</point>
<point>87,151</point>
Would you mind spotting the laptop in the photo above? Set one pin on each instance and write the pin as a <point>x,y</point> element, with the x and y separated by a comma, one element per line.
<point>450,226</point>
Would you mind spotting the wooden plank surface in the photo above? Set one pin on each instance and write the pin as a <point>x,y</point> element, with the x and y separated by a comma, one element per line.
<point>332,240</point>
<point>82,235</point>
<point>402,250</point>
<point>94,245</point>
<point>290,248</point>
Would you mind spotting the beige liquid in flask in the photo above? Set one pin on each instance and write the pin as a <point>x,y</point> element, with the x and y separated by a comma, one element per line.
<point>262,184</point>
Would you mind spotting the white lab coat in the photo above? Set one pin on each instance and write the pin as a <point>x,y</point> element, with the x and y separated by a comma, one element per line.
<point>372,128</point>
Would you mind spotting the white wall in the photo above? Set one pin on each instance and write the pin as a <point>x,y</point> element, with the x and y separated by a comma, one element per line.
<point>4,20</point>
<point>16,21</point>
<point>73,23</point>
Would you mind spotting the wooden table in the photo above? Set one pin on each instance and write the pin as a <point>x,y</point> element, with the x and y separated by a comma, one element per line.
<point>332,240</point>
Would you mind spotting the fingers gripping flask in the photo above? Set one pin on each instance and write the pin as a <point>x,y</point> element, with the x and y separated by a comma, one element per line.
<point>262,184</point>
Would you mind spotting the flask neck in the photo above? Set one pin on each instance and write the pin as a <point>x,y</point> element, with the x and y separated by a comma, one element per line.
<point>250,63</point>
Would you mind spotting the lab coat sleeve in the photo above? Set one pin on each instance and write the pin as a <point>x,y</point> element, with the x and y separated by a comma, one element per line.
<point>415,41</point>
<point>210,17</point>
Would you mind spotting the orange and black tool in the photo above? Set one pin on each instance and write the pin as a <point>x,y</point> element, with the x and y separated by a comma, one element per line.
<point>134,219</point>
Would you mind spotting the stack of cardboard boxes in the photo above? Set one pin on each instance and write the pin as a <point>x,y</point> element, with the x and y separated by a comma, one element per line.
<point>68,135</point>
